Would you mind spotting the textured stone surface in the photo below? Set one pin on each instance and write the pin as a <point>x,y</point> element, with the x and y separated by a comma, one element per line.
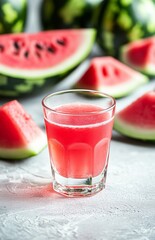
<point>30,209</point>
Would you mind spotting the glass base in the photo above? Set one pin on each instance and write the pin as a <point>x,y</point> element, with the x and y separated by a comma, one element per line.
<point>71,187</point>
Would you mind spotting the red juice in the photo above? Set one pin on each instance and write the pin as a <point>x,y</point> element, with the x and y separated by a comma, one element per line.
<point>79,138</point>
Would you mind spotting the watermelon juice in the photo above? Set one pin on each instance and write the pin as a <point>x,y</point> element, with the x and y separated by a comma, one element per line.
<point>78,138</point>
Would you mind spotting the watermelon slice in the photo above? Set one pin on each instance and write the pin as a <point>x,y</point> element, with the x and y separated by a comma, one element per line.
<point>111,76</point>
<point>140,55</point>
<point>137,120</point>
<point>28,59</point>
<point>20,137</point>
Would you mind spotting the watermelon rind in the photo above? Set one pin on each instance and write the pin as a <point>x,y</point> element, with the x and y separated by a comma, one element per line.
<point>13,16</point>
<point>123,21</point>
<point>80,54</point>
<point>132,131</point>
<point>124,89</point>
<point>69,14</point>
<point>32,149</point>
<point>15,87</point>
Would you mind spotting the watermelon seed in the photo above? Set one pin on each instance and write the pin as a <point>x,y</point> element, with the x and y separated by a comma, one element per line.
<point>51,49</point>
<point>39,46</point>
<point>1,48</point>
<point>16,45</point>
<point>61,42</point>
<point>26,54</point>
<point>105,72</point>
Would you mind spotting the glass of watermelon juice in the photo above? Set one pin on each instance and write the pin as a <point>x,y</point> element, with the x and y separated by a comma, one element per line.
<point>78,126</point>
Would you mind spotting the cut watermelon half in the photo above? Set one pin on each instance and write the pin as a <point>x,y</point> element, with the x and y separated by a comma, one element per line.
<point>20,137</point>
<point>140,55</point>
<point>109,75</point>
<point>137,120</point>
<point>44,54</point>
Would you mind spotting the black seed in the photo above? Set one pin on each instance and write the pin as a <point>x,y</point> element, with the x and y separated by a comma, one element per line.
<point>16,45</point>
<point>61,42</point>
<point>1,48</point>
<point>51,49</point>
<point>26,54</point>
<point>39,46</point>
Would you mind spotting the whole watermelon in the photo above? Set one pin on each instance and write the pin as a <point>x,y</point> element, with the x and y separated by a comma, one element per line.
<point>59,14</point>
<point>13,15</point>
<point>123,21</point>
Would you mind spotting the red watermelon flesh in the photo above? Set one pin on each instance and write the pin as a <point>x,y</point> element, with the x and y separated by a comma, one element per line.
<point>111,76</point>
<point>20,136</point>
<point>104,71</point>
<point>137,120</point>
<point>40,50</point>
<point>140,55</point>
<point>141,112</point>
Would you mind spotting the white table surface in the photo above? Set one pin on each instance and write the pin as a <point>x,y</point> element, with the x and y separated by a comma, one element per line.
<point>125,209</point>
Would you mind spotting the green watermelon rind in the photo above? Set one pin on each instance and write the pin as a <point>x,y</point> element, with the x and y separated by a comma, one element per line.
<point>125,89</point>
<point>148,69</point>
<point>124,21</point>
<point>133,131</point>
<point>15,22</point>
<point>82,52</point>
<point>15,87</point>
<point>32,149</point>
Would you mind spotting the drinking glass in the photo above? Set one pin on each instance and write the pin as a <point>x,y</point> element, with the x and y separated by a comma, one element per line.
<point>79,127</point>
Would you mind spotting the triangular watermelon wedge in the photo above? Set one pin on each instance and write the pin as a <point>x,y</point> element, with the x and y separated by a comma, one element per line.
<point>111,76</point>
<point>137,120</point>
<point>140,55</point>
<point>20,137</point>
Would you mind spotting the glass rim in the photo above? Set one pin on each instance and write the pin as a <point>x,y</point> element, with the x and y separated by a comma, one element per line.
<point>113,101</point>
